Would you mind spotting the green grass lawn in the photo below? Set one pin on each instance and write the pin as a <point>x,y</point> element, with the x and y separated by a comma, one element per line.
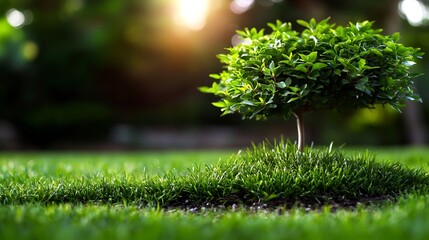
<point>408,218</point>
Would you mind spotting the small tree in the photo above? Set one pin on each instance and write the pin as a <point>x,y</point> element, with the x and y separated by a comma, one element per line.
<point>323,67</point>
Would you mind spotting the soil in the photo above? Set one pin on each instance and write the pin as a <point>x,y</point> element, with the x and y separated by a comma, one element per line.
<point>281,206</point>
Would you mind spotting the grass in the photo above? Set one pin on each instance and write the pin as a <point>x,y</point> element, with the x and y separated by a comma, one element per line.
<point>266,175</point>
<point>406,220</point>
<point>96,196</point>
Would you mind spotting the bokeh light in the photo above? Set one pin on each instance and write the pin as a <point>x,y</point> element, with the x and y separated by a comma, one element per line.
<point>191,13</point>
<point>15,18</point>
<point>237,39</point>
<point>241,6</point>
<point>414,11</point>
<point>30,50</point>
<point>73,5</point>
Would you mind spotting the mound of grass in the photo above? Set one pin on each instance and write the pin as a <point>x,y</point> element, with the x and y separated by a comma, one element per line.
<point>276,174</point>
<point>266,175</point>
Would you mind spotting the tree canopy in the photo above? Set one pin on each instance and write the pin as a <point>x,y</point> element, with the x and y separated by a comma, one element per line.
<point>323,67</point>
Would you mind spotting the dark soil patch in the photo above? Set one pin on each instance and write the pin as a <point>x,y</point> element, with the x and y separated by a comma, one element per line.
<point>283,205</point>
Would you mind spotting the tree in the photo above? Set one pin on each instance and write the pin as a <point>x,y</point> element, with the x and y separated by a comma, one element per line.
<point>324,67</point>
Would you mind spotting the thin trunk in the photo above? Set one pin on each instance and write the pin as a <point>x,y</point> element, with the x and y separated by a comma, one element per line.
<point>300,128</point>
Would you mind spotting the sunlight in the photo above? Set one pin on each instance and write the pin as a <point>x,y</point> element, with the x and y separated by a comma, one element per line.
<point>237,39</point>
<point>414,11</point>
<point>15,18</point>
<point>191,13</point>
<point>241,6</point>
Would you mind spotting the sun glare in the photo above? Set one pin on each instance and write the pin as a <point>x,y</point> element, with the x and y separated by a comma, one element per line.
<point>15,18</point>
<point>241,6</point>
<point>414,11</point>
<point>191,13</point>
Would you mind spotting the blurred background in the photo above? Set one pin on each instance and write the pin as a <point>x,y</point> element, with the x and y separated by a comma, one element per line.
<point>123,74</point>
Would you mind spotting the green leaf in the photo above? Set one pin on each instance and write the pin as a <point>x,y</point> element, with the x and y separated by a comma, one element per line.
<point>360,87</point>
<point>205,89</point>
<point>303,23</point>
<point>304,93</point>
<point>362,63</point>
<point>241,33</point>
<point>313,22</point>
<point>302,68</point>
<point>387,49</point>
<point>215,76</point>
<point>363,80</point>
<point>272,67</point>
<point>396,36</point>
<point>337,72</point>
<point>312,57</point>
<point>219,104</point>
<point>281,85</point>
<point>376,52</point>
<point>247,102</point>
<point>272,26</point>
<point>318,65</point>
<point>390,82</point>
<point>266,71</point>
<point>293,99</point>
<point>294,89</point>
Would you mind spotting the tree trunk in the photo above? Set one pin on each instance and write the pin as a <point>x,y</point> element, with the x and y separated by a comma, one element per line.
<point>300,128</point>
